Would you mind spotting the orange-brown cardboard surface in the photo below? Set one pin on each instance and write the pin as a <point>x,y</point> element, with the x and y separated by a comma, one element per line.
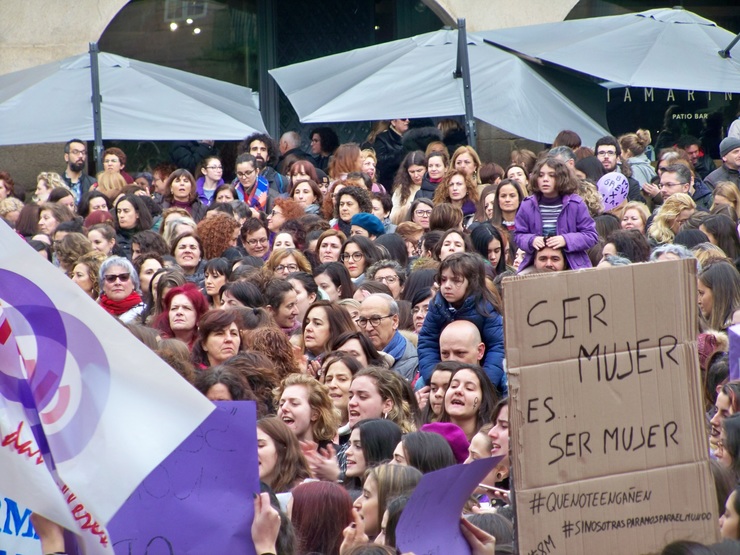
<point>606,402</point>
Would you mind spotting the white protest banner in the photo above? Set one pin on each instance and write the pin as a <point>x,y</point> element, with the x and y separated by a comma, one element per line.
<point>606,414</point>
<point>80,398</point>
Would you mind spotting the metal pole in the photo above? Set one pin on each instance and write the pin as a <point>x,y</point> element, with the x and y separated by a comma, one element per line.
<point>463,70</point>
<point>726,52</point>
<point>96,100</point>
<point>267,39</point>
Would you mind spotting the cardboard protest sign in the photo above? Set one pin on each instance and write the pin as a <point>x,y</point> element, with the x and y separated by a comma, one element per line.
<point>86,410</point>
<point>200,498</point>
<point>430,522</point>
<point>606,411</point>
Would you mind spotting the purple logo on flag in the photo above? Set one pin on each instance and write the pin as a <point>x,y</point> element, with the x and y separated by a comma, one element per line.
<point>50,363</point>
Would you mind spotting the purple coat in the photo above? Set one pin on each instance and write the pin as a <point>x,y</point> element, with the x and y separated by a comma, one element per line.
<point>575,224</point>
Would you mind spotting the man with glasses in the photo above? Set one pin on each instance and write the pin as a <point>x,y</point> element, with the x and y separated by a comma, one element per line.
<point>729,150</point>
<point>378,320</point>
<point>675,178</point>
<point>608,152</point>
<point>75,176</point>
<point>389,150</point>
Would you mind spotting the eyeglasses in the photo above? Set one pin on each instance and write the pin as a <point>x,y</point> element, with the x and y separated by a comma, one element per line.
<point>423,213</point>
<point>289,267</point>
<point>354,256</point>
<point>214,167</point>
<point>77,152</point>
<point>111,278</point>
<point>255,242</point>
<point>670,185</point>
<point>242,175</point>
<point>606,153</point>
<point>419,309</point>
<point>275,213</point>
<point>387,279</point>
<point>374,320</point>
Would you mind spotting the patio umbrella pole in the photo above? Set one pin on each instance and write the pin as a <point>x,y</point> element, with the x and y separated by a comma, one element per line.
<point>726,52</point>
<point>97,124</point>
<point>463,70</point>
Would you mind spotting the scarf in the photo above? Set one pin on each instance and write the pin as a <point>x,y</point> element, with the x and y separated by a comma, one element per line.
<point>344,227</point>
<point>120,307</point>
<point>396,346</point>
<point>257,198</point>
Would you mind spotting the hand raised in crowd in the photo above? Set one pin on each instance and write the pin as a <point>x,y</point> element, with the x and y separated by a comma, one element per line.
<point>422,396</point>
<point>321,462</point>
<point>354,534</point>
<point>538,243</point>
<point>266,524</point>
<point>481,543</point>
<point>651,189</point>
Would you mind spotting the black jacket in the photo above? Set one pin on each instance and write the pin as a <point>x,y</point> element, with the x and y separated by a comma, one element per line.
<point>389,150</point>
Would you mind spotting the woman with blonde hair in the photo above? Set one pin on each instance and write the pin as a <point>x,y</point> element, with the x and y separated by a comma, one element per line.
<point>111,185</point>
<point>286,261</point>
<point>466,160</point>
<point>670,217</point>
<point>634,215</point>
<point>726,193</point>
<point>633,147</point>
<point>305,407</point>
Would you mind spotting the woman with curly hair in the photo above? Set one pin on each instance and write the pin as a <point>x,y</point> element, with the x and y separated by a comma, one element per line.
<point>218,232</point>
<point>70,248</point>
<point>85,272</point>
<point>284,209</point>
<point>457,188</point>
<point>350,201</point>
<point>271,342</point>
<point>670,217</point>
<point>305,407</point>
<point>45,182</point>
<point>406,183</point>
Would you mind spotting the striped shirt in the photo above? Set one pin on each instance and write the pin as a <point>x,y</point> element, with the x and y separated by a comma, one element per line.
<point>550,209</point>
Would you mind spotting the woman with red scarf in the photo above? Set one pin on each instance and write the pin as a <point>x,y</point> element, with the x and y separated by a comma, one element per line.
<point>120,284</point>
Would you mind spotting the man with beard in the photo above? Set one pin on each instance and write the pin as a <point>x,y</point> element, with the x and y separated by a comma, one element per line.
<point>608,152</point>
<point>75,155</point>
<point>262,147</point>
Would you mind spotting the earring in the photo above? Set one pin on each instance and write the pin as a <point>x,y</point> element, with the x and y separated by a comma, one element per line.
<point>385,415</point>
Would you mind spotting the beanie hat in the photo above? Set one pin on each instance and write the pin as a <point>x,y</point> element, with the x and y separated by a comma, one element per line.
<point>454,435</point>
<point>369,222</point>
<point>727,145</point>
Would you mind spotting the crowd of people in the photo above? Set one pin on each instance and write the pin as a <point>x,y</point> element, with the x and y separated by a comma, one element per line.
<point>355,293</point>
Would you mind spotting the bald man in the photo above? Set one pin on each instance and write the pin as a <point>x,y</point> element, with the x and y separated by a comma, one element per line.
<point>460,341</point>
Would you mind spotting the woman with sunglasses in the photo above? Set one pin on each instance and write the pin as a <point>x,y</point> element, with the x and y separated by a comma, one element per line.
<point>120,295</point>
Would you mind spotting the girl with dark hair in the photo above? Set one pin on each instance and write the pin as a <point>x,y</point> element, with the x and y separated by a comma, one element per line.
<point>218,338</point>
<point>222,383</point>
<point>188,252</point>
<point>181,192</point>
<point>396,247</point>
<point>420,212</point>
<point>461,278</point>
<point>728,451</point>
<point>334,280</point>
<point>451,242</point>
<point>426,451</point>
<point>217,272</point>
<point>371,443</point>
<point>358,254</point>
<point>719,296</point>
<point>358,346</point>
<point>406,183</point>
<point>225,193</point>
<point>211,179</point>
<point>92,201</point>
<point>281,463</point>
<point>148,241</point>
<point>506,202</point>
<point>240,293</point>
<point>281,301</point>
<point>324,320</point>
<point>306,290</point>
<point>469,400</point>
<point>729,522</point>
<point>436,164</point>
<point>307,194</point>
<point>629,243</point>
<point>722,232</point>
<point>490,244</point>
<point>555,217</point>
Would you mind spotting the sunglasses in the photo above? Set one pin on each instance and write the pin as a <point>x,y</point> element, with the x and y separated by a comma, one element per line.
<point>113,277</point>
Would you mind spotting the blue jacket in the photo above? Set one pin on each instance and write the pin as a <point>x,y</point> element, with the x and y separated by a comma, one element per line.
<point>491,330</point>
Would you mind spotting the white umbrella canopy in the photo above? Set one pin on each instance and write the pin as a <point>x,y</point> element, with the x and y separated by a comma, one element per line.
<point>414,78</point>
<point>140,101</point>
<point>669,48</point>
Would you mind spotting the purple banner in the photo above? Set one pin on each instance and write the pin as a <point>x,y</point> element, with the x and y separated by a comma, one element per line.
<point>734,334</point>
<point>430,522</point>
<point>200,499</point>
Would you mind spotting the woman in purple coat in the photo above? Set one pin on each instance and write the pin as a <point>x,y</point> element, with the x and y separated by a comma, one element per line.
<point>554,216</point>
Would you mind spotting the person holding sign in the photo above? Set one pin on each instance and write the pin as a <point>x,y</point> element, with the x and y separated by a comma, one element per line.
<point>555,217</point>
